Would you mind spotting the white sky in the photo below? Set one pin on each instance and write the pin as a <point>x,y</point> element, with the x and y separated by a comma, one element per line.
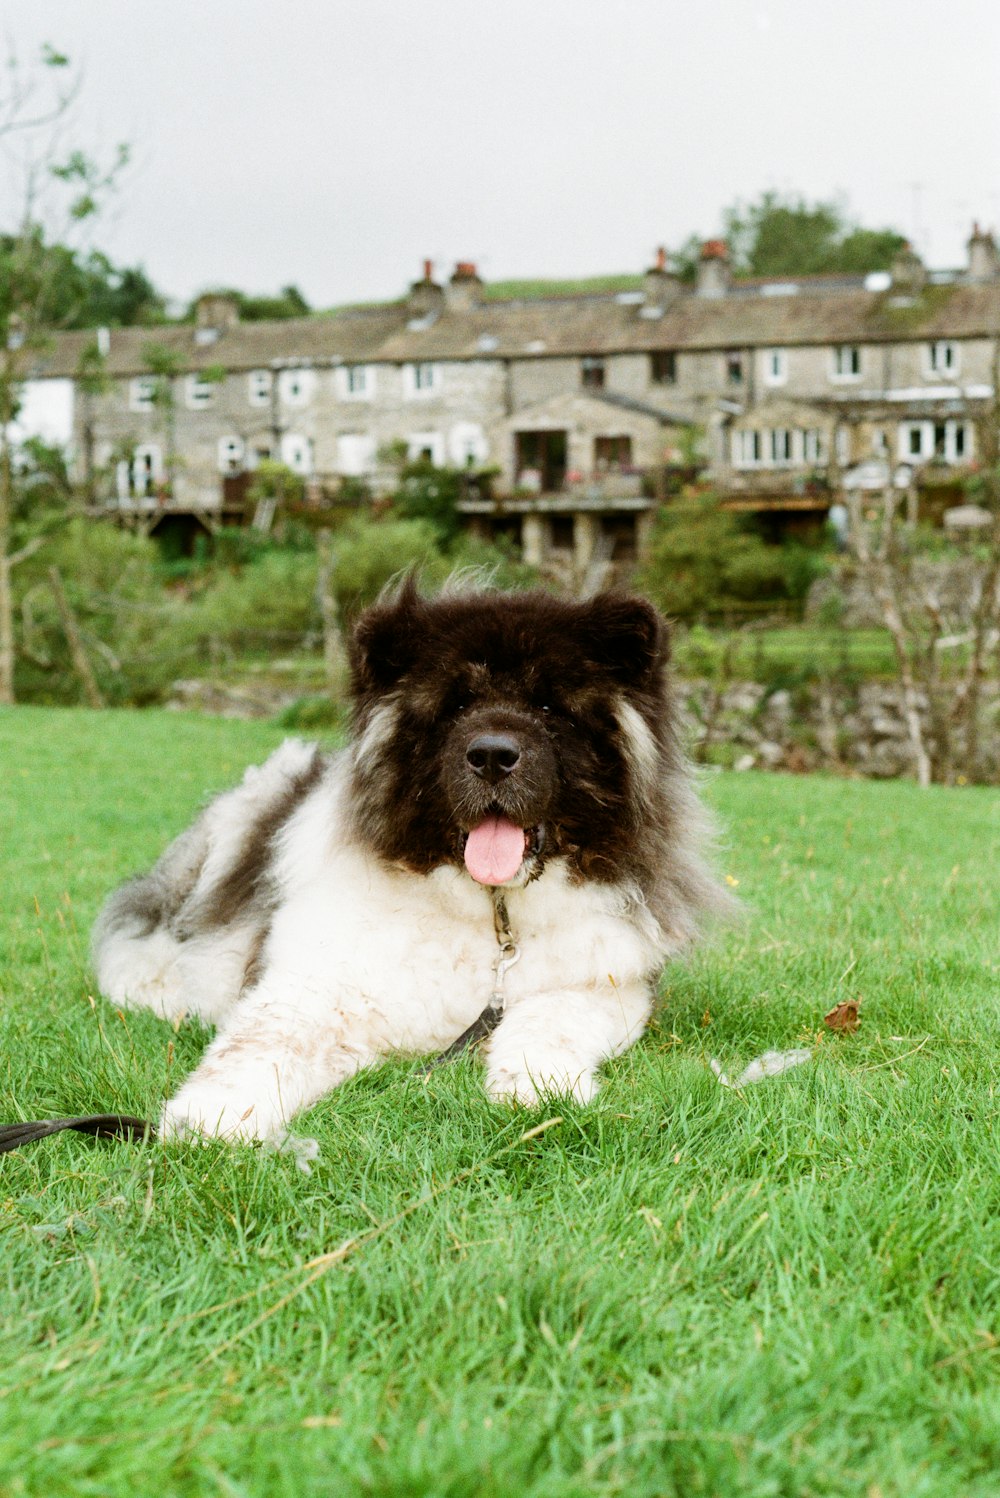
<point>335,143</point>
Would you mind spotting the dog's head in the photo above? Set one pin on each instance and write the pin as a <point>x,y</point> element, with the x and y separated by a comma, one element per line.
<point>500,730</point>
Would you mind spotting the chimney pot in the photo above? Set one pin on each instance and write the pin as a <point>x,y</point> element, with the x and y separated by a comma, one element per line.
<point>428,270</point>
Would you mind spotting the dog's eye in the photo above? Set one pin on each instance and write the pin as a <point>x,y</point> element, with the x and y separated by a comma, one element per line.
<point>546,708</point>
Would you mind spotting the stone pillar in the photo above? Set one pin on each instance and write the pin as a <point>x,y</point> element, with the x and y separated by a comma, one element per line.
<point>586,534</point>
<point>644,522</point>
<point>533,538</point>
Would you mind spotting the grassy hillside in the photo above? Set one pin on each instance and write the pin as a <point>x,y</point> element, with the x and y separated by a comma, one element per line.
<point>679,1290</point>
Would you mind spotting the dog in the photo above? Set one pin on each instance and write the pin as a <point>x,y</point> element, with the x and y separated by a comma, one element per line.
<point>512,822</point>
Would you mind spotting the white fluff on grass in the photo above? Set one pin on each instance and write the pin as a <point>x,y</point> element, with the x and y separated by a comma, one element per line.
<point>771,1064</point>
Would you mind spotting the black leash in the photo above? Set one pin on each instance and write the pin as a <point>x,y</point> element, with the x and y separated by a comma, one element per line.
<point>101,1125</point>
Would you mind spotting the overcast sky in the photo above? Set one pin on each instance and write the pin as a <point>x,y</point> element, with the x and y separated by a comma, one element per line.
<point>336,143</point>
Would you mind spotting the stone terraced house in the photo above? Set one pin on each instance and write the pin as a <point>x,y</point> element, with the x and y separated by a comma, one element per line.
<point>583,406</point>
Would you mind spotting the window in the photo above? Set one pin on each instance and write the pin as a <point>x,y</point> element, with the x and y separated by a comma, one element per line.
<point>781,447</point>
<point>147,468</point>
<point>356,382</point>
<point>230,452</point>
<point>946,442</point>
<point>421,379</point>
<point>846,362</point>
<point>916,440</point>
<point>814,445</point>
<point>426,445</point>
<point>663,367</point>
<point>734,368</point>
<point>746,449</point>
<point>612,454</point>
<point>592,373</point>
<point>775,366</point>
<point>355,454</point>
<point>942,359</point>
<point>142,393</point>
<point>259,383</point>
<point>296,386</point>
<point>197,392</point>
<point>296,453</point>
<point>467,444</point>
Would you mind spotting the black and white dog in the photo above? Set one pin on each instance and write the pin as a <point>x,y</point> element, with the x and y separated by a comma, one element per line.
<point>513,768</point>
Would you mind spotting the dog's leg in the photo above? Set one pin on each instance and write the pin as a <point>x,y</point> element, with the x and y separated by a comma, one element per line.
<point>273,1058</point>
<point>554,1042</point>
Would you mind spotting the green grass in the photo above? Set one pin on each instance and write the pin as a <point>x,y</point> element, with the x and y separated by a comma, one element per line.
<point>679,1290</point>
<point>798,652</point>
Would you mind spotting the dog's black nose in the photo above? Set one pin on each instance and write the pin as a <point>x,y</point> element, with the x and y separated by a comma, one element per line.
<point>491,756</point>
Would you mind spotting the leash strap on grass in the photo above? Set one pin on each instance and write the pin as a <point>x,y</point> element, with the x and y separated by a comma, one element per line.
<point>101,1125</point>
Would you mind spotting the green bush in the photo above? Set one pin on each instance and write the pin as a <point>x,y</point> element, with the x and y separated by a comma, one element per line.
<point>704,560</point>
<point>270,602</point>
<point>132,628</point>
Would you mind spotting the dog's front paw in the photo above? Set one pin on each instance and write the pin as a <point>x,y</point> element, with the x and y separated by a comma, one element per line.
<point>525,1087</point>
<point>211,1113</point>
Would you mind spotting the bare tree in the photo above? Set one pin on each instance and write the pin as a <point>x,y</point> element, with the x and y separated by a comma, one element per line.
<point>60,190</point>
<point>944,637</point>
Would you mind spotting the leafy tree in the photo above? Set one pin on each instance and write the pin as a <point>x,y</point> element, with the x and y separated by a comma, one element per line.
<point>289,302</point>
<point>84,290</point>
<point>430,494</point>
<point>61,192</point>
<point>781,235</point>
<point>788,236</point>
<point>704,559</point>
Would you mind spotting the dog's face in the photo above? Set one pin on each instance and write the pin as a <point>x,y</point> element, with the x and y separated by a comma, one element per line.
<point>500,730</point>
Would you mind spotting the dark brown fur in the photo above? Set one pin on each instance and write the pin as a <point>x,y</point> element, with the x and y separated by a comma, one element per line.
<point>549,670</point>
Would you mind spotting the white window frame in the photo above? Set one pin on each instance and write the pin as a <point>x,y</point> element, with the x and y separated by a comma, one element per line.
<point>147,460</point>
<point>781,447</point>
<point>904,449</point>
<point>363,458</point>
<point>748,445</point>
<point>968,438</point>
<point>774,367</point>
<point>814,445</point>
<point>260,383</point>
<point>142,393</point>
<point>942,359</point>
<point>416,442</point>
<point>297,453</point>
<point>199,393</point>
<point>845,354</point>
<point>467,444</point>
<point>296,387</point>
<point>231,454</point>
<point>362,376</point>
<point>421,380</point>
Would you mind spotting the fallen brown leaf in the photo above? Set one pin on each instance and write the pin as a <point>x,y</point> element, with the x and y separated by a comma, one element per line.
<point>844,1016</point>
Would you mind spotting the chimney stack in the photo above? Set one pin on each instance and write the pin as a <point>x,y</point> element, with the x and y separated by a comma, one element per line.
<point>713,269</point>
<point>909,274</point>
<point>215,311</point>
<point>465,289</point>
<point>661,286</point>
<point>984,261</point>
<point>426,296</point>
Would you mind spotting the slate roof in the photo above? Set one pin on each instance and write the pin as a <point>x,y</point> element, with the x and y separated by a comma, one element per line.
<point>819,312</point>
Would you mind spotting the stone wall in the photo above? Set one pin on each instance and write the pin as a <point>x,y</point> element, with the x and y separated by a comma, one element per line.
<point>856,730</point>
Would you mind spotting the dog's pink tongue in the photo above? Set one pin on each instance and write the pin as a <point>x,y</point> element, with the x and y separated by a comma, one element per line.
<point>494,851</point>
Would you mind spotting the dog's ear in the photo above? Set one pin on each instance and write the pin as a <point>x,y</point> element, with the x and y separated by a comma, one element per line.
<point>626,636</point>
<point>384,643</point>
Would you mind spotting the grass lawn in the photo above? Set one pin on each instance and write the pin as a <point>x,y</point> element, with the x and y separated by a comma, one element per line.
<point>679,1290</point>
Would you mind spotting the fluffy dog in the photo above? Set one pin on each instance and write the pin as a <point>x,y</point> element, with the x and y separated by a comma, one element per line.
<point>512,818</point>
